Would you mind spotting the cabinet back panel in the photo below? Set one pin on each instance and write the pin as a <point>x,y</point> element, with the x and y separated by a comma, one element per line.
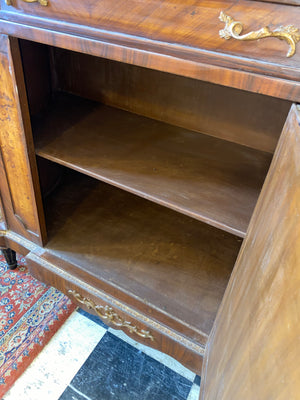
<point>246,118</point>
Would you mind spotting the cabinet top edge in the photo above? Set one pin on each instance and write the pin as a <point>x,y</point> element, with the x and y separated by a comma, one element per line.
<point>195,51</point>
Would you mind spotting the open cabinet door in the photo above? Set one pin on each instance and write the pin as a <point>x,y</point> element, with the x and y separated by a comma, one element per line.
<point>253,352</point>
<point>19,182</point>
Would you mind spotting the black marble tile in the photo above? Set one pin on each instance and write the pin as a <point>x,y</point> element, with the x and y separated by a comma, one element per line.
<point>92,317</point>
<point>197,380</point>
<point>117,371</point>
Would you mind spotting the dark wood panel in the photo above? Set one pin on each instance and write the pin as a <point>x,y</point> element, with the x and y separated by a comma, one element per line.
<point>37,74</point>
<point>19,181</point>
<point>253,351</point>
<point>161,258</point>
<point>242,117</point>
<point>206,178</point>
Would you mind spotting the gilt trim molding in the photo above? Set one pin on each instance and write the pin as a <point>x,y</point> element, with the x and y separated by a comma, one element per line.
<point>233,29</point>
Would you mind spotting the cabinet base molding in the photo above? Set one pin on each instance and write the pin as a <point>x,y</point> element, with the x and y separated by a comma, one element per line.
<point>135,324</point>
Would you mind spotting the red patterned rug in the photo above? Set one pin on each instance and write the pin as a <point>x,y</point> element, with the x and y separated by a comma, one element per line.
<point>30,314</point>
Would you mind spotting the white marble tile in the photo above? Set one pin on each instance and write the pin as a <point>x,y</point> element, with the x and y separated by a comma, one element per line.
<point>157,355</point>
<point>194,393</point>
<point>53,369</point>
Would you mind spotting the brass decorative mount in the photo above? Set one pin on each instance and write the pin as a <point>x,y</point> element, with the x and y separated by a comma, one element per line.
<point>107,313</point>
<point>42,2</point>
<point>233,29</point>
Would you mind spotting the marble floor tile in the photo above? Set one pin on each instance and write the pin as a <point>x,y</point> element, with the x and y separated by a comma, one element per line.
<point>116,370</point>
<point>53,369</point>
<point>157,355</point>
<point>194,393</point>
<point>197,380</point>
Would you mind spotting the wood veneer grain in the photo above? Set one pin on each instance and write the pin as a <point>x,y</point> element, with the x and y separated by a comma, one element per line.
<point>206,178</point>
<point>167,260</point>
<point>178,37</point>
<point>190,25</point>
<point>260,311</point>
<point>220,71</point>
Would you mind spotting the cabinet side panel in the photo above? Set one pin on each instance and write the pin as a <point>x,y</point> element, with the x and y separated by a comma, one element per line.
<point>253,351</point>
<point>19,180</point>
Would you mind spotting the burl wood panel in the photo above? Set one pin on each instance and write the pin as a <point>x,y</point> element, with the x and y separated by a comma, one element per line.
<point>209,179</point>
<point>19,181</point>
<point>238,116</point>
<point>253,351</point>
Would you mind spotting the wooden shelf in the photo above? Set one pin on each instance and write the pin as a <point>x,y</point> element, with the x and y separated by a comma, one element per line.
<point>161,258</point>
<point>206,178</point>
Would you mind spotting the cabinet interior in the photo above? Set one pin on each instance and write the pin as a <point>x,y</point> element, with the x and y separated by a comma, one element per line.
<point>149,179</point>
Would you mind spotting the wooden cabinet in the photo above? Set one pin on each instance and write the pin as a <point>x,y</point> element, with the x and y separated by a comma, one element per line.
<point>149,170</point>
